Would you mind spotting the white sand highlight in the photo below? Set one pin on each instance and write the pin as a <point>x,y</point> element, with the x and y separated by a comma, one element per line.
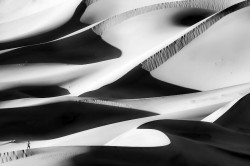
<point>221,60</point>
<point>195,106</point>
<point>113,134</point>
<point>217,114</point>
<point>104,9</point>
<point>94,137</point>
<point>192,106</point>
<point>214,65</point>
<point>138,38</point>
<point>140,138</point>
<point>76,78</point>
<point>220,112</point>
<point>33,17</point>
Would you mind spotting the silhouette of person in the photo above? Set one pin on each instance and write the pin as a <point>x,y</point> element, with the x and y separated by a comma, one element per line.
<point>28,145</point>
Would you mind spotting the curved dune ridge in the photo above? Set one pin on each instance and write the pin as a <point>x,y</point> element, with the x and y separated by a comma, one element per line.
<point>75,86</point>
<point>107,8</point>
<point>163,55</point>
<point>217,57</point>
<point>54,32</point>
<point>89,2</point>
<point>187,136</point>
<point>124,82</point>
<point>209,5</point>
<point>34,18</point>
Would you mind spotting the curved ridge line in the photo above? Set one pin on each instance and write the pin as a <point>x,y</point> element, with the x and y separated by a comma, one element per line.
<point>104,102</point>
<point>107,23</point>
<point>216,5</point>
<point>90,2</point>
<point>169,51</point>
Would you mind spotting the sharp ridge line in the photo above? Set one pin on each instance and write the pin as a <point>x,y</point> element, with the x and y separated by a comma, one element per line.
<point>169,51</point>
<point>90,2</point>
<point>216,5</point>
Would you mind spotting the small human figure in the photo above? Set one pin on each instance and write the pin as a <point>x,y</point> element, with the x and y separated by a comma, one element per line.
<point>28,145</point>
<point>28,149</point>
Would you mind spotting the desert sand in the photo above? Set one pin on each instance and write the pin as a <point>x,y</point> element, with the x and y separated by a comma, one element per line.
<point>114,82</point>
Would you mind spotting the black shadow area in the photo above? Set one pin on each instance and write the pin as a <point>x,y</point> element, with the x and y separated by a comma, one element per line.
<point>86,47</point>
<point>188,17</point>
<point>192,143</point>
<point>237,117</point>
<point>60,119</point>
<point>137,83</point>
<point>32,92</point>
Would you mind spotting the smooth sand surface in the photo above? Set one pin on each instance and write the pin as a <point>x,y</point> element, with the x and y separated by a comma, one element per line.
<point>33,17</point>
<point>69,26</point>
<point>222,56</point>
<point>123,116</point>
<point>118,36</point>
<point>104,9</point>
<point>193,104</point>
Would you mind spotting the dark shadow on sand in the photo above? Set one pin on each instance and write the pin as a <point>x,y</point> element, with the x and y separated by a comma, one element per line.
<point>189,17</point>
<point>60,119</point>
<point>192,143</point>
<point>138,83</point>
<point>32,92</point>
<point>84,48</point>
<point>238,117</point>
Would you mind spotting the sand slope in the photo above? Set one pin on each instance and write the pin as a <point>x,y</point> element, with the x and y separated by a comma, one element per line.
<point>72,86</point>
<point>222,56</point>
<point>34,17</point>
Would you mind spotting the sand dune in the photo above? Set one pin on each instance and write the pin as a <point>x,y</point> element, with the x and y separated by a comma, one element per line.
<point>71,25</point>
<point>78,49</point>
<point>50,156</point>
<point>118,36</point>
<point>90,137</point>
<point>137,84</point>
<point>104,9</point>
<point>193,105</point>
<point>217,57</point>
<point>217,141</point>
<point>73,89</point>
<point>31,92</point>
<point>52,120</point>
<point>34,17</point>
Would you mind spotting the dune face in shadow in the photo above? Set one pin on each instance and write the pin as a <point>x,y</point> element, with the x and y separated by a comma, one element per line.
<point>83,48</point>
<point>192,143</point>
<point>148,128</point>
<point>70,26</point>
<point>138,83</point>
<point>237,117</point>
<point>60,119</point>
<point>190,17</point>
<point>32,91</point>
